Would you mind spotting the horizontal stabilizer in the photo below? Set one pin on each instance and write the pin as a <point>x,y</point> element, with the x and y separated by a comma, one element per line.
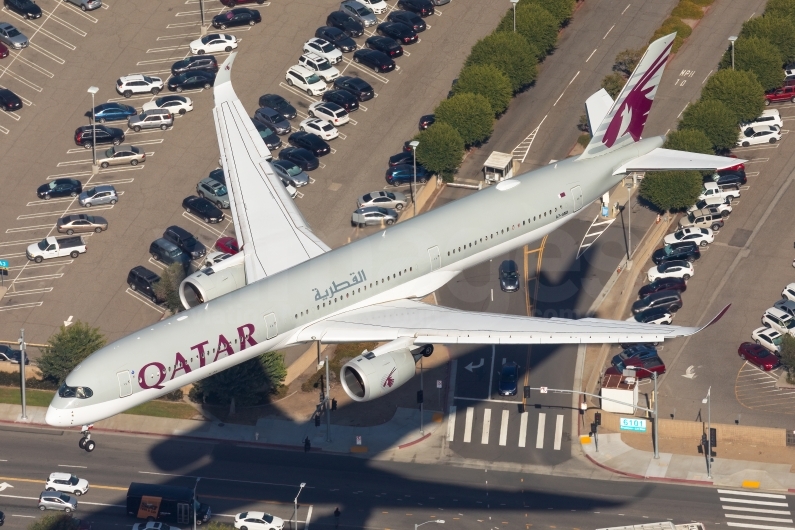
<point>668,159</point>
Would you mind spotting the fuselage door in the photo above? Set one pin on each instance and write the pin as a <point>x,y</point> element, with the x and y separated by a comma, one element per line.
<point>576,193</point>
<point>436,258</point>
<point>270,323</point>
<point>125,383</point>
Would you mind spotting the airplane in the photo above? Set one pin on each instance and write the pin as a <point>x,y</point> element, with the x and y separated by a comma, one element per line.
<point>287,287</point>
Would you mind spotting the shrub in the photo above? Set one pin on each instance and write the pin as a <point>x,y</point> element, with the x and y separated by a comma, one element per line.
<point>584,139</point>
<point>788,356</point>
<point>758,56</point>
<point>469,114</point>
<point>687,9</point>
<point>691,140</point>
<point>702,3</point>
<point>441,149</point>
<point>561,10</point>
<point>511,53</point>
<point>670,25</point>
<point>780,32</point>
<point>713,119</point>
<point>739,91</point>
<point>167,289</point>
<point>67,348</point>
<point>781,9</point>
<point>535,24</point>
<point>61,521</point>
<point>627,60</point>
<point>488,81</point>
<point>613,83</point>
<point>671,190</point>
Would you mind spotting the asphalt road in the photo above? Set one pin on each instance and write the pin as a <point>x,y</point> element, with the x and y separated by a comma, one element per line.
<point>370,494</point>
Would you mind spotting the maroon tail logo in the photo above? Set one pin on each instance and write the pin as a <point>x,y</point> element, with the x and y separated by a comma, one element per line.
<point>631,116</point>
<point>389,380</point>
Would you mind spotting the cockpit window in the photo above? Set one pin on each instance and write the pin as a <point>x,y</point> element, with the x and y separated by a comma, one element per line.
<point>80,392</point>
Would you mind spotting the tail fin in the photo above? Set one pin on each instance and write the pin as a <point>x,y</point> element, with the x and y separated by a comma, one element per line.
<point>625,120</point>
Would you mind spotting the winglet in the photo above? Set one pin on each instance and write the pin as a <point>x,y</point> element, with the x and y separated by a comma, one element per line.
<point>224,74</point>
<point>715,318</point>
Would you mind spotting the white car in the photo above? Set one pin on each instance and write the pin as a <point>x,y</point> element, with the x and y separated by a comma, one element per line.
<point>152,525</point>
<point>174,104</point>
<point>305,79</point>
<point>213,43</point>
<point>214,258</point>
<point>761,134</point>
<point>66,483</point>
<point>700,236</point>
<point>663,318</point>
<point>378,6</point>
<point>319,127</point>
<point>138,84</point>
<point>723,206</point>
<point>767,337</point>
<point>789,292</point>
<point>331,112</point>
<point>768,117</point>
<point>778,320</point>
<point>711,189</point>
<point>324,49</point>
<point>258,521</point>
<point>320,65</point>
<point>672,269</point>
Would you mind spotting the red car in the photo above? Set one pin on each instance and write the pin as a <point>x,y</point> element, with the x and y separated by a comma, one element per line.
<point>233,3</point>
<point>736,167</point>
<point>3,51</point>
<point>757,355</point>
<point>228,245</point>
<point>780,95</point>
<point>644,367</point>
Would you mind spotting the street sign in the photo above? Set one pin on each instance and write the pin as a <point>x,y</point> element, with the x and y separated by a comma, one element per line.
<point>543,389</point>
<point>3,264</point>
<point>438,383</point>
<point>358,440</point>
<point>633,424</point>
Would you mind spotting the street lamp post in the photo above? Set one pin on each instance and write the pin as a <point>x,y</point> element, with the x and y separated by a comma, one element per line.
<point>440,521</point>
<point>732,39</point>
<point>295,506</point>
<point>414,145</point>
<point>628,185</point>
<point>195,515</point>
<point>93,90</point>
<point>630,370</point>
<point>22,357</point>
<point>708,401</point>
<point>514,2</point>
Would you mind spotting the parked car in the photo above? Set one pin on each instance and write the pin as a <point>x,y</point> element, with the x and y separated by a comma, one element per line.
<point>273,119</point>
<point>279,104</point>
<point>165,251</point>
<point>111,112</point>
<point>62,187</point>
<point>670,300</point>
<point>173,104</point>
<point>233,3</point>
<point>728,178</point>
<point>305,79</point>
<point>356,86</point>
<point>87,5</point>
<point>320,66</point>
<point>641,351</point>
<point>203,208</point>
<point>25,8</point>
<point>378,61</point>
<point>329,111</point>
<point>66,483</point>
<point>290,172</point>
<point>138,84</point>
<point>509,276</point>
<point>384,199</point>
<point>337,37</point>
<point>780,95</point>
<point>343,98</point>
<point>239,16</point>
<point>424,8</point>
<point>345,22</point>
<point>4,51</point>
<point>301,157</point>
<point>81,223</point>
<point>324,49</point>
<point>643,368</point>
<point>401,159</point>
<point>151,119</point>
<point>320,128</point>
<point>655,315</point>
<point>700,236</point>
<point>373,215</point>
<point>359,12</point>
<point>207,63</point>
<point>213,43</point>
<point>410,19</point>
<point>228,245</point>
<point>9,101</point>
<point>712,190</point>
<point>426,121</point>
<point>400,32</point>
<point>98,195</point>
<point>723,206</point>
<point>672,269</point>
<point>789,292</point>
<point>214,258</point>
<point>404,174</point>
<point>385,45</point>
<point>120,155</point>
<point>778,320</point>
<point>57,501</point>
<point>758,356</point>
<point>761,134</point>
<point>268,135</point>
<point>152,525</point>
<point>768,338</point>
<point>12,36</point>
<point>377,6</point>
<point>258,521</point>
<point>707,218</point>
<point>509,379</point>
<point>85,136</point>
<point>186,241</point>
<point>214,191</point>
<point>12,356</point>
<point>787,306</point>
<point>663,284</point>
<point>312,142</point>
<point>687,251</point>
<point>768,117</point>
<point>189,80</point>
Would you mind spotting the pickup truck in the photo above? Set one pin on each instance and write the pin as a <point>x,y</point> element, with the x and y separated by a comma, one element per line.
<point>645,367</point>
<point>51,247</point>
<point>711,189</point>
<point>722,205</point>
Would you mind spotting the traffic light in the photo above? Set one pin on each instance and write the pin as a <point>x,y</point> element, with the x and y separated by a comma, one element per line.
<point>419,396</point>
<point>317,420</point>
<point>597,418</point>
<point>713,437</point>
<point>527,392</point>
<point>333,404</point>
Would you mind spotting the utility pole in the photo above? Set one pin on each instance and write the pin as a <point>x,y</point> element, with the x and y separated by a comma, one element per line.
<point>629,217</point>
<point>295,506</point>
<point>201,12</point>
<point>195,515</point>
<point>421,396</point>
<point>22,358</point>
<point>708,401</point>
<point>514,2</point>
<point>327,404</point>
<point>732,39</point>
<point>414,145</point>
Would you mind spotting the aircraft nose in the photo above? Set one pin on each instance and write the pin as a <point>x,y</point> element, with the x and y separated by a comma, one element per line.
<point>55,417</point>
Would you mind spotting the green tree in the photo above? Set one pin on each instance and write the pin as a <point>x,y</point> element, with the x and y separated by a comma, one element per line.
<point>61,521</point>
<point>613,83</point>
<point>688,10</point>
<point>788,356</point>
<point>535,24</point>
<point>671,190</point>
<point>779,31</point>
<point>511,53</point>
<point>627,60</point>
<point>488,81</point>
<point>167,289</point>
<point>739,91</point>
<point>691,140</point>
<point>244,384</point>
<point>671,25</point>
<point>781,9</point>
<point>67,348</point>
<point>469,114</point>
<point>714,120</point>
<point>561,10</point>
<point>757,56</point>
<point>441,149</point>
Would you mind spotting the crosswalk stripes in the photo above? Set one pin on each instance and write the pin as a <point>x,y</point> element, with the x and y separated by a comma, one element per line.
<point>523,429</point>
<point>468,426</point>
<point>484,438</point>
<point>504,428</point>
<point>558,431</point>
<point>510,431</point>
<point>540,434</point>
<point>739,510</point>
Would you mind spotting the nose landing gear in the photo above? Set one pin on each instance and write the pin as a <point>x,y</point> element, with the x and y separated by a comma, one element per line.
<point>86,442</point>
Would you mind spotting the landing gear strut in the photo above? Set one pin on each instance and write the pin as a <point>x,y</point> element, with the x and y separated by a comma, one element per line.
<point>86,442</point>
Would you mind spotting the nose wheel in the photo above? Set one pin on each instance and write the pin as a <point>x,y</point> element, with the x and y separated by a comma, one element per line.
<point>86,443</point>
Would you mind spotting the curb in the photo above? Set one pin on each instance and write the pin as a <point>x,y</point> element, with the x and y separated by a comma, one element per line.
<point>418,440</point>
<point>654,479</point>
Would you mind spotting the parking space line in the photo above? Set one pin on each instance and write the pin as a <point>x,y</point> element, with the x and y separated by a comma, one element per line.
<point>47,53</point>
<point>36,67</point>
<point>59,214</point>
<point>4,70</point>
<point>43,202</point>
<point>11,115</point>
<point>40,29</point>
<point>67,25</point>
<point>26,101</point>
<point>753,160</point>
<point>204,225</point>
<point>156,263</point>
<point>69,175</point>
<point>19,242</point>
<point>167,49</point>
<point>4,130</point>
<point>28,305</point>
<point>82,13</point>
<point>27,228</point>
<point>298,92</point>
<point>183,25</point>
<point>147,96</point>
<point>42,290</point>
<point>138,296</point>
<point>198,13</point>
<point>155,61</point>
<point>378,76</point>
<point>45,277</point>
<point>42,265</point>
<point>101,172</point>
<point>191,36</point>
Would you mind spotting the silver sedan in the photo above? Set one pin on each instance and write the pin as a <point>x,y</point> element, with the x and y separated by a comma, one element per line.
<point>374,215</point>
<point>384,199</point>
<point>12,36</point>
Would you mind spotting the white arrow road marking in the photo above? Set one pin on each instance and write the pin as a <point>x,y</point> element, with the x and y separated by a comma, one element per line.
<point>690,373</point>
<point>68,322</point>
<point>5,485</point>
<point>471,366</point>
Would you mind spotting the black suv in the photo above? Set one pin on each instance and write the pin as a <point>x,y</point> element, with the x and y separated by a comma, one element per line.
<point>310,141</point>
<point>686,250</point>
<point>408,18</point>
<point>185,241</point>
<point>337,37</point>
<point>358,87</point>
<point>167,252</point>
<point>728,178</point>
<point>239,16</point>
<point>104,135</point>
<point>509,276</point>
<point>206,63</point>
<point>345,22</point>
<point>203,208</point>
<point>26,8</point>
<point>279,104</point>
<point>670,300</point>
<point>343,98</point>
<point>143,280</point>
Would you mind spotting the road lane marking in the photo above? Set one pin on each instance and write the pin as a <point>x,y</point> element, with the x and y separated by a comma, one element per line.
<point>749,501</point>
<point>523,429</point>
<point>608,31</point>
<point>626,8</point>
<point>451,424</point>
<point>589,57</point>
<point>558,431</point>
<point>542,419</point>
<point>756,510</point>
<point>759,526</point>
<point>67,465</point>
<point>567,86</point>
<point>504,428</point>
<point>753,493</point>
<point>468,424</point>
<point>223,480</point>
<point>758,518</point>
<point>308,517</point>
<point>484,437</point>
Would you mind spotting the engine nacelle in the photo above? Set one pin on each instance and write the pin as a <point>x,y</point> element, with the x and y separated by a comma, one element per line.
<point>376,373</point>
<point>212,282</point>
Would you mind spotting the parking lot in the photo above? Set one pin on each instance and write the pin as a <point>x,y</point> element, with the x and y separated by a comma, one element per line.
<point>71,50</point>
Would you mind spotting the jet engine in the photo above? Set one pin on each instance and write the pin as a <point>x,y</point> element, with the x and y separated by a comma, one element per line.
<point>212,282</point>
<point>376,373</point>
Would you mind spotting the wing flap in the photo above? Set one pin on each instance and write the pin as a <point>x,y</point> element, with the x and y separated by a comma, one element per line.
<point>669,159</point>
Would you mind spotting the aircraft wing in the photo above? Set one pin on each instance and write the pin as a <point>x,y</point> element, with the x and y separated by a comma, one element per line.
<point>668,159</point>
<point>271,230</point>
<point>430,324</point>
